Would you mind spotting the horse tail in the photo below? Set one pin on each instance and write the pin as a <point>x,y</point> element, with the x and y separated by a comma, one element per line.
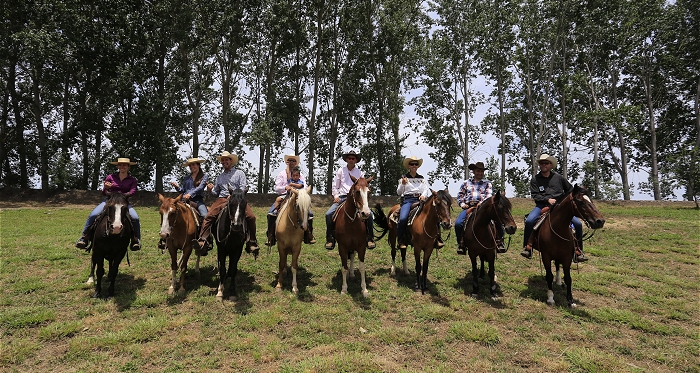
<point>380,220</point>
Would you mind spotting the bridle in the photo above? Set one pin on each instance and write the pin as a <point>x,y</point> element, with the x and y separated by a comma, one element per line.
<point>434,204</point>
<point>357,202</point>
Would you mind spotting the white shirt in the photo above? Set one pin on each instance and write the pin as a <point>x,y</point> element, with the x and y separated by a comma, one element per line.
<point>342,181</point>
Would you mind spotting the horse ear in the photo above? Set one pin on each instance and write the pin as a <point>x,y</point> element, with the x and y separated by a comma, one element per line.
<point>230,191</point>
<point>432,191</point>
<point>354,180</point>
<point>309,188</point>
<point>246,190</point>
<point>178,197</point>
<point>370,178</point>
<point>160,197</point>
<point>447,190</point>
<point>296,192</point>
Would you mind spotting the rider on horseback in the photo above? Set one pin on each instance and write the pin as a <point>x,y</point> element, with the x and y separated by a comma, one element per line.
<point>232,179</point>
<point>341,186</point>
<point>192,189</point>
<point>412,188</point>
<point>471,194</point>
<point>547,188</point>
<point>123,182</point>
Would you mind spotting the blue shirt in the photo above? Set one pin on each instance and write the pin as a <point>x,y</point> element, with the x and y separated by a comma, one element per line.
<point>233,178</point>
<point>196,192</point>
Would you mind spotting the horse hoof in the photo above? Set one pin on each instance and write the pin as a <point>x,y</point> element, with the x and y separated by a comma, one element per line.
<point>171,291</point>
<point>343,292</point>
<point>96,295</point>
<point>494,298</point>
<point>550,302</point>
<point>278,288</point>
<point>573,305</point>
<point>181,291</point>
<point>295,290</point>
<point>365,293</point>
<point>232,298</point>
<point>90,280</point>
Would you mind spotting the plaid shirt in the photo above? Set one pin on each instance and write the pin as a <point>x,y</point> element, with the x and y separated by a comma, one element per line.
<point>234,178</point>
<point>473,192</point>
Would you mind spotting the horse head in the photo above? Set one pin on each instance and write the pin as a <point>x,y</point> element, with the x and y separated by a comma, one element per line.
<point>502,207</point>
<point>585,209</point>
<point>359,193</point>
<point>117,209</point>
<point>236,207</point>
<point>302,204</point>
<point>168,210</point>
<point>442,202</point>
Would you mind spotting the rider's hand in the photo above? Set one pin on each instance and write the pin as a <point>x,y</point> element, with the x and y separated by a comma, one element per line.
<point>186,197</point>
<point>174,184</point>
<point>210,186</point>
<point>404,180</point>
<point>552,201</point>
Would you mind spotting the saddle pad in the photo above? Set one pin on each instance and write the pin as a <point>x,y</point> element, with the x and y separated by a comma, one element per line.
<point>411,215</point>
<point>337,211</point>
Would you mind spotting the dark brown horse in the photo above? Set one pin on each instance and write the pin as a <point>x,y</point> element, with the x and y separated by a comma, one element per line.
<point>292,221</point>
<point>480,236</point>
<point>178,226</point>
<point>556,242</point>
<point>423,232</point>
<point>111,240</point>
<point>350,231</point>
<point>230,235</point>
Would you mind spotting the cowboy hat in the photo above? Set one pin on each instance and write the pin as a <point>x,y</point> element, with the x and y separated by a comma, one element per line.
<point>477,165</point>
<point>352,152</point>
<point>226,154</point>
<point>193,160</point>
<point>291,156</point>
<point>411,159</point>
<point>548,158</point>
<point>123,160</point>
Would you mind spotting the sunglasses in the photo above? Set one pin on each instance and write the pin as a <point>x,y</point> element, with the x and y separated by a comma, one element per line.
<point>413,164</point>
<point>351,158</point>
<point>292,161</point>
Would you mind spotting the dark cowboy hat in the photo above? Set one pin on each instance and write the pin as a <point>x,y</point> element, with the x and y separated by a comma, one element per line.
<point>352,152</point>
<point>477,165</point>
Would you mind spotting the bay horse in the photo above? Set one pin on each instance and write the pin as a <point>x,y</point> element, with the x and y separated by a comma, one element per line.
<point>556,242</point>
<point>350,231</point>
<point>292,221</point>
<point>479,236</point>
<point>178,226</point>
<point>423,232</point>
<point>230,235</point>
<point>111,241</point>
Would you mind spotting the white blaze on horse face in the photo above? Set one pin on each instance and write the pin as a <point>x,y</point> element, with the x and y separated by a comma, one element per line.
<point>165,227</point>
<point>586,198</point>
<point>365,205</point>
<point>238,213</point>
<point>117,224</point>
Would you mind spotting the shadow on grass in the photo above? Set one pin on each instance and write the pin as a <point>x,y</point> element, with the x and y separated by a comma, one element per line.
<point>354,287</point>
<point>304,280</point>
<point>465,284</point>
<point>537,290</point>
<point>125,288</point>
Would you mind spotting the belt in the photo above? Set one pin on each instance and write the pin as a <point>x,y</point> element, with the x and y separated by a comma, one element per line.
<point>412,195</point>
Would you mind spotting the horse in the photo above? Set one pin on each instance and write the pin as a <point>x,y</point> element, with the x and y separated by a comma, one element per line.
<point>230,235</point>
<point>480,236</point>
<point>556,242</point>
<point>350,231</point>
<point>111,241</point>
<point>178,226</point>
<point>423,231</point>
<point>292,221</point>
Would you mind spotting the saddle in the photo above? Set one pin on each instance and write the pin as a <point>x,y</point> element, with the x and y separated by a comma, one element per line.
<point>416,207</point>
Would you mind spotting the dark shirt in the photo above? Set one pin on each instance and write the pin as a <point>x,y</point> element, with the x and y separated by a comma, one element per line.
<point>543,188</point>
<point>128,186</point>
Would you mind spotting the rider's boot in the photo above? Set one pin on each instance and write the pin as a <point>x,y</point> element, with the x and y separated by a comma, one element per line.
<point>271,220</point>
<point>527,251</point>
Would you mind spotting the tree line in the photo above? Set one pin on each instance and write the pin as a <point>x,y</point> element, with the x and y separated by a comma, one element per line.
<point>86,82</point>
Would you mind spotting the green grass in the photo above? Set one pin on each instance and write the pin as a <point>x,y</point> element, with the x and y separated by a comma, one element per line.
<point>638,305</point>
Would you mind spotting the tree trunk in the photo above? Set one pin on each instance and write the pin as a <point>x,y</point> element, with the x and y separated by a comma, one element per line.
<point>41,134</point>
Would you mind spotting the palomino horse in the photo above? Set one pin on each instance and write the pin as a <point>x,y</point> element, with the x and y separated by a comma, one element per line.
<point>111,240</point>
<point>350,231</point>
<point>292,221</point>
<point>423,231</point>
<point>556,242</point>
<point>178,226</point>
<point>230,235</point>
<point>480,235</point>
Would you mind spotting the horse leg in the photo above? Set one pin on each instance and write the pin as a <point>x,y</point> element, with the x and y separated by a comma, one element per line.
<point>233,271</point>
<point>351,268</point>
<point>475,272</point>
<point>403,261</point>
<point>182,266</point>
<point>492,274</point>
<point>295,266</point>
<point>98,276</point>
<point>282,268</point>
<point>550,279</point>
<point>173,269</point>
<point>482,272</point>
<point>557,277</point>
<point>567,281</point>
<point>112,276</point>
<point>361,266</point>
<point>424,274</point>
<point>416,254</point>
<point>196,266</point>
<point>221,259</point>
<point>393,260</point>
<point>91,278</point>
<point>344,270</point>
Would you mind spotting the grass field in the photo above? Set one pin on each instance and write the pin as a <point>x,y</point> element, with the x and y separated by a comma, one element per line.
<point>638,306</point>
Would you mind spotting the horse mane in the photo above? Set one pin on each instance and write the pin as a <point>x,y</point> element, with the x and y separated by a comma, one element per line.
<point>304,202</point>
<point>445,196</point>
<point>116,198</point>
<point>503,203</point>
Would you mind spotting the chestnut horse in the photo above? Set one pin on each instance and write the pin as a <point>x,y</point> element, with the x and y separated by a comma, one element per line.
<point>292,221</point>
<point>556,242</point>
<point>111,240</point>
<point>480,235</point>
<point>178,226</point>
<point>350,231</point>
<point>423,232</point>
<point>230,236</point>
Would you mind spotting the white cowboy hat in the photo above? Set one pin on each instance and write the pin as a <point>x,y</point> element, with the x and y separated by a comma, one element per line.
<point>548,158</point>
<point>358,157</point>
<point>193,160</point>
<point>292,156</point>
<point>226,154</point>
<point>123,160</point>
<point>411,159</point>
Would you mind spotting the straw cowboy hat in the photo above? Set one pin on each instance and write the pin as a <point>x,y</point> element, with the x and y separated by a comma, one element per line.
<point>358,157</point>
<point>123,160</point>
<point>226,154</point>
<point>477,165</point>
<point>411,159</point>
<point>548,158</point>
<point>292,156</point>
<point>193,160</point>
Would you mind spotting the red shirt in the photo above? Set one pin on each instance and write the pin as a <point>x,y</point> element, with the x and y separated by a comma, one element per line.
<point>127,186</point>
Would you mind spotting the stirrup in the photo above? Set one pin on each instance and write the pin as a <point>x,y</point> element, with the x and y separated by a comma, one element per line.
<point>81,244</point>
<point>136,246</point>
<point>461,250</point>
<point>371,245</point>
<point>527,253</point>
<point>329,245</point>
<point>200,247</point>
<point>500,248</point>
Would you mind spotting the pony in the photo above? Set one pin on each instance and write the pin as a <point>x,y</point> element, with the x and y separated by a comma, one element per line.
<point>292,221</point>
<point>230,234</point>
<point>423,232</point>
<point>178,226</point>
<point>350,229</point>
<point>111,241</point>
<point>479,236</point>
<point>556,242</point>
